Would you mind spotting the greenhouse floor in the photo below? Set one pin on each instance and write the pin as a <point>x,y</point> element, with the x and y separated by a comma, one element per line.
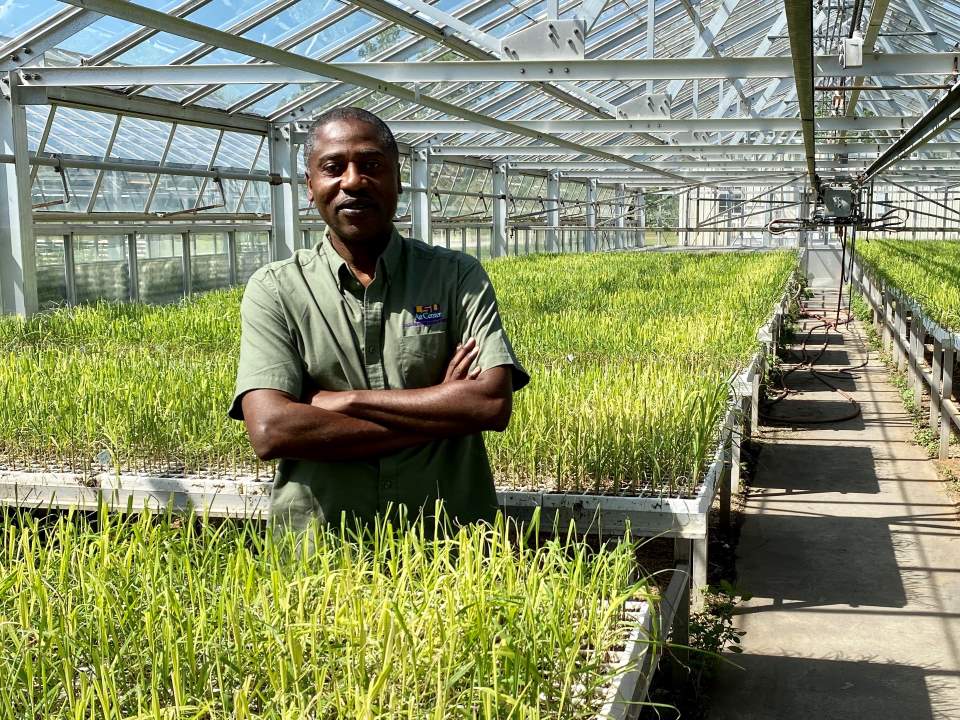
<point>850,546</point>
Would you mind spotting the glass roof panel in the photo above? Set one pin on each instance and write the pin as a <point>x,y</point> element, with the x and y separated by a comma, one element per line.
<point>80,132</point>
<point>282,96</point>
<point>227,95</point>
<point>291,20</point>
<point>98,36</point>
<point>350,26</point>
<point>220,14</point>
<point>192,145</point>
<point>130,139</point>
<point>108,30</point>
<point>18,16</point>
<point>515,23</point>
<point>159,49</point>
<point>36,120</point>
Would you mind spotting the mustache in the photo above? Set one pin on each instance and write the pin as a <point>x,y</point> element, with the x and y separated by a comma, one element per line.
<point>356,203</point>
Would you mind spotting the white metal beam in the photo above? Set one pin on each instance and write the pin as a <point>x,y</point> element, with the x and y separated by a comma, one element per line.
<point>30,47</point>
<point>762,124</point>
<point>706,37</point>
<point>184,28</point>
<point>501,186</point>
<point>476,36</point>
<point>18,262</point>
<point>532,71</point>
<point>420,195</point>
<point>145,107</point>
<point>285,196</point>
<point>719,149</point>
<point>553,211</point>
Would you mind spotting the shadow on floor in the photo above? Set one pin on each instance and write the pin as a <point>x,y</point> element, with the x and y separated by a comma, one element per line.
<point>839,469</point>
<point>811,558</point>
<point>803,689</point>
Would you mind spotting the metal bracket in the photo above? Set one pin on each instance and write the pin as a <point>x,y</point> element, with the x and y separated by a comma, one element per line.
<point>546,40</point>
<point>647,107</point>
<point>61,171</point>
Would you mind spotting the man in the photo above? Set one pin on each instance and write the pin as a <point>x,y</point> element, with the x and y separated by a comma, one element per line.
<point>371,364</point>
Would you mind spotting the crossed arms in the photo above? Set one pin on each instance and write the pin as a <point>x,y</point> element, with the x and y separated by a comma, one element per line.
<point>358,424</point>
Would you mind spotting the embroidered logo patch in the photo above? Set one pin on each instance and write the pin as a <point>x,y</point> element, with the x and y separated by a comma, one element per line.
<point>428,315</point>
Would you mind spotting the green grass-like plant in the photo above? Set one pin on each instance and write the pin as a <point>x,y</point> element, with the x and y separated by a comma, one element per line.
<point>630,355</point>
<point>927,270</point>
<point>140,616</point>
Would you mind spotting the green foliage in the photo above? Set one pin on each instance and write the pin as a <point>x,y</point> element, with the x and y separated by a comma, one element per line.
<point>630,356</point>
<point>712,633</point>
<point>168,618</point>
<point>928,271</point>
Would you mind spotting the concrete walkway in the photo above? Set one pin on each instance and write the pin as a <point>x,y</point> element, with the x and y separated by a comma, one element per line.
<point>851,548</point>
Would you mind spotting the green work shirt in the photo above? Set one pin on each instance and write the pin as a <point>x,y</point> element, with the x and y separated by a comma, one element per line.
<point>307,323</point>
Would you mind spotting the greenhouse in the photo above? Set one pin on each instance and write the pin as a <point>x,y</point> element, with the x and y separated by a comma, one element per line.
<point>479,359</point>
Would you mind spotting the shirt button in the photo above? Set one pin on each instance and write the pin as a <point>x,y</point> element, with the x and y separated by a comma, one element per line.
<point>387,484</point>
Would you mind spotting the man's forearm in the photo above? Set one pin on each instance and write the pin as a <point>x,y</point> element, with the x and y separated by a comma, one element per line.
<point>299,431</point>
<point>453,408</point>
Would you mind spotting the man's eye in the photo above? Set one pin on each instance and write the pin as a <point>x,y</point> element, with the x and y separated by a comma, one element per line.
<point>330,168</point>
<point>371,165</point>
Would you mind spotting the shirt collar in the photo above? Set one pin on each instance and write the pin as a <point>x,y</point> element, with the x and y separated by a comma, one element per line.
<point>387,264</point>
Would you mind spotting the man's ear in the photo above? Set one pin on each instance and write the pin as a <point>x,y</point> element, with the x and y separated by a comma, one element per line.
<point>306,176</point>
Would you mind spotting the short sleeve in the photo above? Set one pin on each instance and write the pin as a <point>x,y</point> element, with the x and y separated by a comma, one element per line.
<point>480,319</point>
<point>269,358</point>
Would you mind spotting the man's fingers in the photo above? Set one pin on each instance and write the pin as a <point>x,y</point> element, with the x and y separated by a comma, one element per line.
<point>463,367</point>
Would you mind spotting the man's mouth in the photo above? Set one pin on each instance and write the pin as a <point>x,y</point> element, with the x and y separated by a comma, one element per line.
<point>352,206</point>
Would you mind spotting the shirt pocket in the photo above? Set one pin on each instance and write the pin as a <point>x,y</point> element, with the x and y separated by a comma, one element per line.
<point>423,359</point>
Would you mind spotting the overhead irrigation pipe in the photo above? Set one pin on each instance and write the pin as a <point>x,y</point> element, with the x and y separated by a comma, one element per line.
<point>722,218</point>
<point>800,28</point>
<point>155,20</point>
<point>928,126</point>
<point>755,197</point>
<point>922,196</point>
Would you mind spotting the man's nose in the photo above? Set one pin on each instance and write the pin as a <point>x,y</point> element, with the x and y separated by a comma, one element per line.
<point>351,178</point>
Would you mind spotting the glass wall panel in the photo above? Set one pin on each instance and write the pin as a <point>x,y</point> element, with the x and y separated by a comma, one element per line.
<point>102,271</point>
<point>51,271</point>
<point>209,261</point>
<point>160,268</point>
<point>253,252</point>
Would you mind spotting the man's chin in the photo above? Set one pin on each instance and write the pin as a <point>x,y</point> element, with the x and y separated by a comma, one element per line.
<point>362,234</point>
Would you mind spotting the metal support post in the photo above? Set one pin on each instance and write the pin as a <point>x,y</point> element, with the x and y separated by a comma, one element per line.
<point>683,215</point>
<point>420,195</point>
<point>936,384</point>
<point>134,269</point>
<point>640,203</point>
<point>946,393</point>
<point>726,474</point>
<point>698,573</point>
<point>621,212</point>
<point>284,197</point>
<point>901,338</point>
<point>887,318</point>
<point>69,269</point>
<point>553,211</point>
<point>18,260</point>
<point>498,239</point>
<point>918,340</point>
<point>590,238</point>
<point>232,257</point>
<point>803,197</point>
<point>186,259</point>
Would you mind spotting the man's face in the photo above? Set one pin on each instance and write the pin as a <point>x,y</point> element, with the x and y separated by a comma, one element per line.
<point>354,182</point>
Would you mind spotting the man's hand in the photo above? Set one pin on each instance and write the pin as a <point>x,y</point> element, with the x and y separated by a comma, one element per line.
<point>458,369</point>
<point>331,400</point>
<point>459,365</point>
